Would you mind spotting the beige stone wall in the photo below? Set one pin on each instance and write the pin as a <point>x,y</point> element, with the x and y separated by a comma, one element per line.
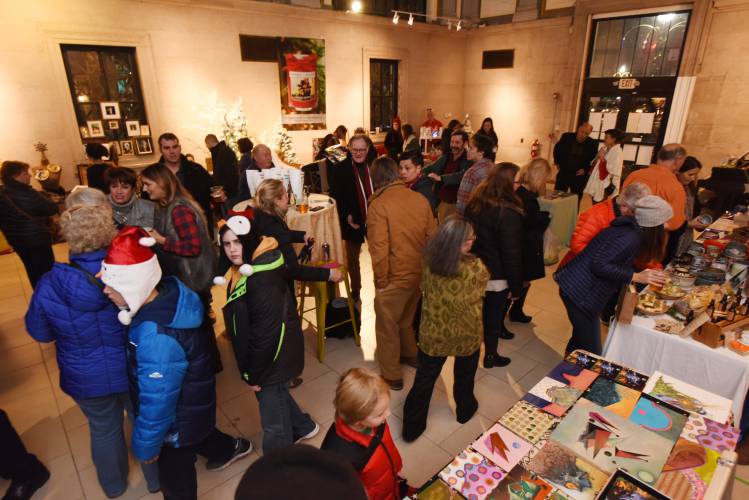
<point>186,51</point>
<point>718,121</point>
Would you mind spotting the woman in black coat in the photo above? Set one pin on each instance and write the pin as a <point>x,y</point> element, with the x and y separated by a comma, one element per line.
<point>531,180</point>
<point>497,215</point>
<point>24,219</point>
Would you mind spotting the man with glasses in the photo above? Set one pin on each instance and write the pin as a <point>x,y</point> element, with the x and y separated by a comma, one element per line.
<point>351,187</point>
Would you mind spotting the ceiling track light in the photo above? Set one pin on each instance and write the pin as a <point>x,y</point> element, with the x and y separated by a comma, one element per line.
<point>396,17</point>
<point>410,19</point>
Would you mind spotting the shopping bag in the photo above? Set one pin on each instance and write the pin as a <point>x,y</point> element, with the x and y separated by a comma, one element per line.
<point>627,304</point>
<point>551,248</point>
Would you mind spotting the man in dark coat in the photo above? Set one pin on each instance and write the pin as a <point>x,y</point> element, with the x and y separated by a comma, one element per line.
<point>193,176</point>
<point>573,155</point>
<point>225,170</point>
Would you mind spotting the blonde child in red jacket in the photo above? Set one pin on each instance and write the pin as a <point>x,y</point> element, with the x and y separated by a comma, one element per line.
<point>361,434</point>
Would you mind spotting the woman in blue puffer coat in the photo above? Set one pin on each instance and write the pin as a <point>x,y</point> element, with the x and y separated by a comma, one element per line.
<point>69,308</point>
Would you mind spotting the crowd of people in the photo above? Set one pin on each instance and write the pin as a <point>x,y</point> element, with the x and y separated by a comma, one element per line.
<point>454,247</point>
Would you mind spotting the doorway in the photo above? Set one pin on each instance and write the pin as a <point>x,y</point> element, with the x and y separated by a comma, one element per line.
<point>383,93</point>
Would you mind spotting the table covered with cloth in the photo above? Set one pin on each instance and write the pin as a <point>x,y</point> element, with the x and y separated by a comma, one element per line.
<point>563,211</point>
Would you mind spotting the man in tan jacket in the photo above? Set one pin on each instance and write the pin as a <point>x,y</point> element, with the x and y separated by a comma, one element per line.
<point>399,221</point>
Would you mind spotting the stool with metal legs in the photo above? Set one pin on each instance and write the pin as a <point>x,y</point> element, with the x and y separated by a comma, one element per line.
<point>321,290</point>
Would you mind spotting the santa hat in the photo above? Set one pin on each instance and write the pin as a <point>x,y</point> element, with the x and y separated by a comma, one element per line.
<point>131,268</point>
<point>239,223</point>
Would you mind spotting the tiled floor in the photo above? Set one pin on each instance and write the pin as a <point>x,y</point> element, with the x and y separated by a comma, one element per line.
<point>54,428</point>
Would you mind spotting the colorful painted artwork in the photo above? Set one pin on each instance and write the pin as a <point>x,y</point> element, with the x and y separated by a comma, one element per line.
<point>528,422</point>
<point>521,485</point>
<point>610,441</point>
<point>688,397</point>
<point>472,475</point>
<point>552,396</point>
<point>657,417</point>
<point>582,358</point>
<point>573,375</point>
<point>614,397</point>
<point>688,471</point>
<point>710,434</point>
<point>606,369</point>
<point>632,379</point>
<point>576,478</point>
<point>437,490</point>
<point>622,486</point>
<point>501,446</point>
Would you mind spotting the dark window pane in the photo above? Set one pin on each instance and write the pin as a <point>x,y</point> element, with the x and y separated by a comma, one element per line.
<point>613,43</point>
<point>599,51</point>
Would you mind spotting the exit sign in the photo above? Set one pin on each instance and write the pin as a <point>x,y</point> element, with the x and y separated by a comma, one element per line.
<point>628,83</point>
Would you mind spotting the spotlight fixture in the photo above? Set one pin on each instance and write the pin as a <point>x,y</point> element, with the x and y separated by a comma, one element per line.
<point>396,17</point>
<point>410,19</point>
<point>458,27</point>
<point>356,6</point>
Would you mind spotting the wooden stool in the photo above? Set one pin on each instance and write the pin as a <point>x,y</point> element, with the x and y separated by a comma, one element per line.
<point>320,292</point>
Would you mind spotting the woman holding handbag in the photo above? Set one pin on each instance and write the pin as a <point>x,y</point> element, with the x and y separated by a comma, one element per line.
<point>606,174</point>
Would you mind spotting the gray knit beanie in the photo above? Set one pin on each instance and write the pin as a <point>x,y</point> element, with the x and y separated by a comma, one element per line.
<point>652,211</point>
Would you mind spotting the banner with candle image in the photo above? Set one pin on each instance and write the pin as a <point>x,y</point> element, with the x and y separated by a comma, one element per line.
<point>301,65</point>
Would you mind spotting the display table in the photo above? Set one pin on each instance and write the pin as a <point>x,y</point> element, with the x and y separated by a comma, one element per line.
<point>321,223</point>
<point>718,370</point>
<point>563,211</point>
<point>593,429</point>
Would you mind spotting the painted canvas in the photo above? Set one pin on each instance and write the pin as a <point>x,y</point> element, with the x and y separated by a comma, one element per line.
<point>658,417</point>
<point>688,471</point>
<point>575,477</point>
<point>528,422</point>
<point>501,446</point>
<point>472,475</point>
<point>688,397</point>
<point>710,434</point>
<point>573,375</point>
<point>437,490</point>
<point>552,396</point>
<point>610,441</point>
<point>614,397</point>
<point>632,379</point>
<point>622,486</point>
<point>606,369</point>
<point>582,358</point>
<point>521,485</point>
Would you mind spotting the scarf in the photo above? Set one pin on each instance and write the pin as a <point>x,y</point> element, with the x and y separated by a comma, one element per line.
<point>602,172</point>
<point>363,188</point>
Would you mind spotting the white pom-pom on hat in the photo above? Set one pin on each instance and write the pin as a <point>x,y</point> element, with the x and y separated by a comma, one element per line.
<point>246,270</point>
<point>124,317</point>
<point>147,241</point>
<point>219,280</point>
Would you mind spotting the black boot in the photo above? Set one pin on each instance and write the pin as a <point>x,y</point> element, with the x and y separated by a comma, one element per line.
<point>516,310</point>
<point>495,360</point>
<point>506,334</point>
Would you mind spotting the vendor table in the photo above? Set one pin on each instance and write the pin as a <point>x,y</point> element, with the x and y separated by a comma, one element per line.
<point>321,223</point>
<point>563,211</point>
<point>645,349</point>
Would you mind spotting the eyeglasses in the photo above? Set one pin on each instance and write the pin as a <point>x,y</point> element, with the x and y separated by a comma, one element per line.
<point>360,150</point>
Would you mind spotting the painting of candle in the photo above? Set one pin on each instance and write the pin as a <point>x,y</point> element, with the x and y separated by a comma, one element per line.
<point>302,78</point>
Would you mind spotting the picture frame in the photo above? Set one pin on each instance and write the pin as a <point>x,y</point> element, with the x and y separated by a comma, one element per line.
<point>145,130</point>
<point>133,128</point>
<point>95,128</point>
<point>117,148</point>
<point>113,125</point>
<point>622,485</point>
<point>127,148</point>
<point>84,132</point>
<point>110,110</point>
<point>143,146</point>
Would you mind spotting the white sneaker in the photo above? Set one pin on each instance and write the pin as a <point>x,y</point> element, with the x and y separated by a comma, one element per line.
<point>310,434</point>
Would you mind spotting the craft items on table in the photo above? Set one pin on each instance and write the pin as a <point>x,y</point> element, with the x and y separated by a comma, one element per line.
<point>527,422</point>
<point>688,397</point>
<point>519,484</point>
<point>658,417</point>
<point>472,475</point>
<point>573,375</point>
<point>688,471</point>
<point>552,396</point>
<point>614,397</point>
<point>710,434</point>
<point>437,490</point>
<point>568,472</point>
<point>622,486</point>
<point>501,447</point>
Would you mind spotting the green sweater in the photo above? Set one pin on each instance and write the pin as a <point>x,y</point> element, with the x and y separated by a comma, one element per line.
<point>451,320</point>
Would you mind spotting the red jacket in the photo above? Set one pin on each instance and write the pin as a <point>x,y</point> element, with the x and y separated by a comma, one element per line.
<point>589,224</point>
<point>376,463</point>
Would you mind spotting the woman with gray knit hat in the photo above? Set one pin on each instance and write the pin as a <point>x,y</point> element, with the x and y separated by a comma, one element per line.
<point>586,283</point>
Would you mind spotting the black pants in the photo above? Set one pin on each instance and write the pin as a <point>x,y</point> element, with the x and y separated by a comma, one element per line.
<point>179,481</point>
<point>36,260</point>
<point>586,328</point>
<point>673,243</point>
<point>495,310</point>
<point>15,462</point>
<point>568,180</point>
<point>516,308</point>
<point>416,408</point>
<point>207,299</point>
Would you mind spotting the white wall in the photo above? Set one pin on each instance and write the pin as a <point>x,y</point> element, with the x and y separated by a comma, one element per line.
<point>185,52</point>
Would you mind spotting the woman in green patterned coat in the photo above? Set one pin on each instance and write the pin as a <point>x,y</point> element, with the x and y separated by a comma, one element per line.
<point>453,283</point>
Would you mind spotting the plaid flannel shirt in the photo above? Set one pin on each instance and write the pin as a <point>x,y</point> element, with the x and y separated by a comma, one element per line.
<point>472,178</point>
<point>185,224</point>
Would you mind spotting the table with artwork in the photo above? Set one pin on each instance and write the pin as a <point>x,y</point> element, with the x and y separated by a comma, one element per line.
<point>321,223</point>
<point>563,210</point>
<point>595,429</point>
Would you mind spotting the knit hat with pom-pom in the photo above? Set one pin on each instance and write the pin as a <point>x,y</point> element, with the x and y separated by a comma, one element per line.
<point>131,268</point>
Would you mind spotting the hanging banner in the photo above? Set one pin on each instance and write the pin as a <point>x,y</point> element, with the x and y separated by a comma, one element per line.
<point>301,64</point>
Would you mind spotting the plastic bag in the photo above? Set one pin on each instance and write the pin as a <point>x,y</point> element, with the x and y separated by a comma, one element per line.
<point>551,248</point>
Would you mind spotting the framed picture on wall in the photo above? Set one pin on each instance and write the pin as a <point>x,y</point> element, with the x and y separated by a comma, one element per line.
<point>95,128</point>
<point>113,125</point>
<point>117,147</point>
<point>127,147</point>
<point>143,146</point>
<point>84,132</point>
<point>145,130</point>
<point>133,128</point>
<point>110,110</point>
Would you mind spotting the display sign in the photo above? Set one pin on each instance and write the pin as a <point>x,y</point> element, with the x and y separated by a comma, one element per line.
<point>301,64</point>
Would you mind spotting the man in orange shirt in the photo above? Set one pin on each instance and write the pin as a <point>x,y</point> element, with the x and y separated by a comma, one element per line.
<point>662,181</point>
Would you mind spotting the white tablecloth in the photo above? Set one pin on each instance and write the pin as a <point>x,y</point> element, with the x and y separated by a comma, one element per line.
<point>643,348</point>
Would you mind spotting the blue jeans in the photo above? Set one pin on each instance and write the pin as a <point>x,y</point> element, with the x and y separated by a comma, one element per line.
<point>283,421</point>
<point>108,448</point>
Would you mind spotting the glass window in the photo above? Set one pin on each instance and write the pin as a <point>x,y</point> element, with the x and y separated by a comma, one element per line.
<point>383,93</point>
<point>643,46</point>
